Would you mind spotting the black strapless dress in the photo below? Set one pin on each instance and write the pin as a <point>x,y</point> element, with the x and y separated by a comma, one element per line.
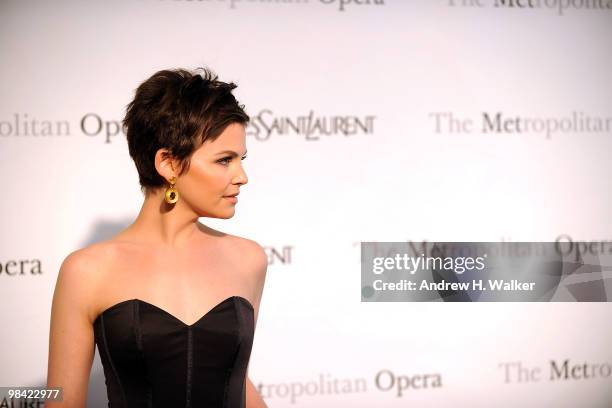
<point>153,359</point>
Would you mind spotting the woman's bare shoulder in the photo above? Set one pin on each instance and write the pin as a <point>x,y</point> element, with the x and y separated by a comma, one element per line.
<point>90,260</point>
<point>86,269</point>
<point>251,253</point>
<point>82,274</point>
<point>254,260</point>
<point>81,263</point>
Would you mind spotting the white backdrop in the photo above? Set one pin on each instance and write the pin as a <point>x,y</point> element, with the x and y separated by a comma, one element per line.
<point>401,70</point>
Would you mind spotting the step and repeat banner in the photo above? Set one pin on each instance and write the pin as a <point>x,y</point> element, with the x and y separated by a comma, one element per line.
<point>372,121</point>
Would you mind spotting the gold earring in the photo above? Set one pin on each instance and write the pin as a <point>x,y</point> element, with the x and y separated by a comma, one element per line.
<point>171,194</point>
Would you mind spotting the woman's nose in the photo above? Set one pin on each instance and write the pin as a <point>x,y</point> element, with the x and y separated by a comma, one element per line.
<point>241,177</point>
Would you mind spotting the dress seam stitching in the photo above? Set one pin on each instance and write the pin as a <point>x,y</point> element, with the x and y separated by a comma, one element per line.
<point>110,360</point>
<point>139,345</point>
<point>189,366</point>
<point>238,342</point>
<point>241,324</point>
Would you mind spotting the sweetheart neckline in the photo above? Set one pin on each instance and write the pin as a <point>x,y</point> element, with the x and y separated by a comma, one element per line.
<point>123,302</point>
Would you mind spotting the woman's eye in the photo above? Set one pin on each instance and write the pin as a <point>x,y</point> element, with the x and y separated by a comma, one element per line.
<point>227,159</point>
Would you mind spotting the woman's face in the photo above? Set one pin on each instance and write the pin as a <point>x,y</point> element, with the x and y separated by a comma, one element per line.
<point>215,173</point>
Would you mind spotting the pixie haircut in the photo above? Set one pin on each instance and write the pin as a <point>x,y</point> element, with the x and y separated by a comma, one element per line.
<point>178,110</point>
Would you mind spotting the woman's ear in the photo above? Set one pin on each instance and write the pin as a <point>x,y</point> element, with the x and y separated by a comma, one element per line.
<point>164,164</point>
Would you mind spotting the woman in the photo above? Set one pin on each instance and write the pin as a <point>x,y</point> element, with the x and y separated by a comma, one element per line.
<point>171,303</point>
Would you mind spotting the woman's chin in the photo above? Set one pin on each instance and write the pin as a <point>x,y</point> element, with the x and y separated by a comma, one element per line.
<point>226,214</point>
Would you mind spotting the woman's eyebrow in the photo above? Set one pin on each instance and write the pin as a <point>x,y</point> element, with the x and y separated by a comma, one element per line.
<point>230,152</point>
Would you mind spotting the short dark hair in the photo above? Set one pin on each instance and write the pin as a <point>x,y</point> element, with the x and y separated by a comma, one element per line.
<point>178,110</point>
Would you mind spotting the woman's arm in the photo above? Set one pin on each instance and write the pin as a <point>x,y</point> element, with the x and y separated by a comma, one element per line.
<point>253,399</point>
<point>260,266</point>
<point>71,339</point>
